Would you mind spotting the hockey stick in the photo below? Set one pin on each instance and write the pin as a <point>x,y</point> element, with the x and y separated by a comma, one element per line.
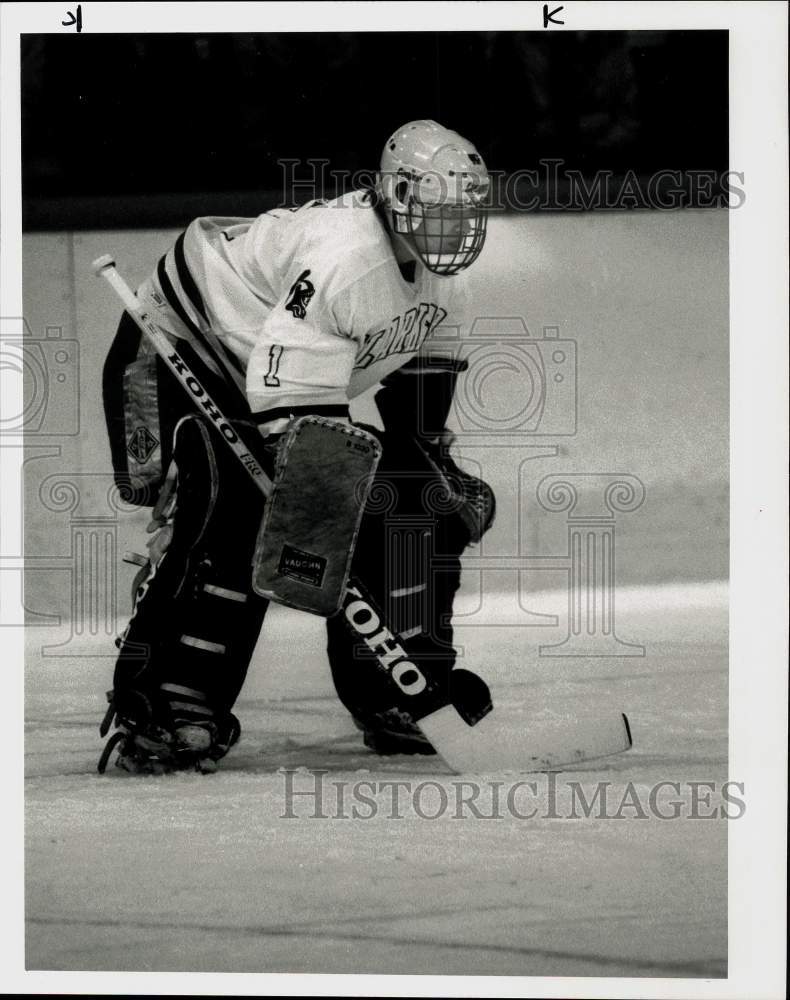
<point>489,747</point>
<point>306,539</point>
<point>104,267</point>
<point>482,748</point>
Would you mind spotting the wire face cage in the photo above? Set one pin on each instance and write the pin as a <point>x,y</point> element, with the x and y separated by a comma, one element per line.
<point>448,238</point>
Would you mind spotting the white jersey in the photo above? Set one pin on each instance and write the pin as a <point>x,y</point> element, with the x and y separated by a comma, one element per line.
<point>309,306</point>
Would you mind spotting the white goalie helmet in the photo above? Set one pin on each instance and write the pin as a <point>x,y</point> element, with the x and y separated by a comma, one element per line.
<point>433,185</point>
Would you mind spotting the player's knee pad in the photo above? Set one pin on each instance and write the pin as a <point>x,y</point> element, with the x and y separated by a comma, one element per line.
<point>410,539</point>
<point>398,609</point>
<point>379,671</point>
<point>196,620</point>
<point>389,681</point>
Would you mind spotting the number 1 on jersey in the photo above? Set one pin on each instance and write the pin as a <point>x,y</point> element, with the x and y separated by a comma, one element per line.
<point>270,378</point>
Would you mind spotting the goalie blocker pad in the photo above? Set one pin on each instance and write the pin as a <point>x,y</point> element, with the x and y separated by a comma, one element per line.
<point>323,475</point>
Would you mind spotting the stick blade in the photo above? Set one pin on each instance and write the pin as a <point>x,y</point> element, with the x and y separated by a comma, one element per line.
<point>490,747</point>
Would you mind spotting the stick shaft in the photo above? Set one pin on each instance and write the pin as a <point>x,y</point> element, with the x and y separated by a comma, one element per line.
<point>105,268</point>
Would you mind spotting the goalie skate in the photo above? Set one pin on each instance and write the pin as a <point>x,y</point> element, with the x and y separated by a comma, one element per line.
<point>393,733</point>
<point>154,749</point>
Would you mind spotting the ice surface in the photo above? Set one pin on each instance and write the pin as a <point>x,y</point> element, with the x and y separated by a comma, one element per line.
<point>207,873</point>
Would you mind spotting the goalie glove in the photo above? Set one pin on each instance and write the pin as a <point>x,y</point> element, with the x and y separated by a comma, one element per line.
<point>415,400</point>
<point>471,499</point>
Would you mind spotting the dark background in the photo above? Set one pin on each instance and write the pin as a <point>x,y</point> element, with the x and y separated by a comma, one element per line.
<point>135,130</point>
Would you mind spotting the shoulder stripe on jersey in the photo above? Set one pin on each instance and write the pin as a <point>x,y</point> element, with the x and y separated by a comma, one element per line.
<point>186,279</point>
<point>222,360</point>
<point>278,412</point>
<point>192,293</point>
<point>173,300</point>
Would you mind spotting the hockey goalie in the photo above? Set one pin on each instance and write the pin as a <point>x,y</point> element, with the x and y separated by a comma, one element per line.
<point>284,319</point>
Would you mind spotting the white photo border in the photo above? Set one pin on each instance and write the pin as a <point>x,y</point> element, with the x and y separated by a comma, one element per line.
<point>759,440</point>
